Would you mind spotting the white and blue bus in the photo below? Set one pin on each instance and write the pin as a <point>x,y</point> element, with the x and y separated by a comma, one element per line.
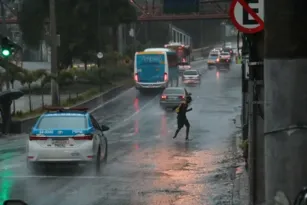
<point>155,68</point>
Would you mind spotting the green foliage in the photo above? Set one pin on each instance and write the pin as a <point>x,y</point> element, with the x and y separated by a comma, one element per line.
<point>77,22</point>
<point>244,145</point>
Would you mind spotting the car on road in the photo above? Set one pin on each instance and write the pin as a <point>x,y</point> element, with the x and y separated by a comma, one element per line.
<point>191,77</point>
<point>172,97</point>
<point>68,136</point>
<point>228,50</point>
<point>228,45</point>
<point>183,66</point>
<point>223,61</point>
<point>218,49</point>
<point>212,58</point>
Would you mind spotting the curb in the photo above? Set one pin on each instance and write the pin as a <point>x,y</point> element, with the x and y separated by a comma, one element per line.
<point>25,125</point>
<point>240,192</point>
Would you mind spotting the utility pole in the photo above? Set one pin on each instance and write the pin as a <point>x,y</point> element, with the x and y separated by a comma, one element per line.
<point>286,102</point>
<point>5,33</point>
<point>244,84</point>
<point>54,46</point>
<point>201,33</point>
<point>256,118</point>
<point>99,30</point>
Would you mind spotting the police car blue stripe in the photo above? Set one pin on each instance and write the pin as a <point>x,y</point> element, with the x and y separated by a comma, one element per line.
<point>62,132</point>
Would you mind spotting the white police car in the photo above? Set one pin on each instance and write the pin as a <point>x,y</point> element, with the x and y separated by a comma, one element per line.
<point>66,135</point>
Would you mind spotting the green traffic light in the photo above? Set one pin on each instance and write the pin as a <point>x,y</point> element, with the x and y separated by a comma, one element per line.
<point>6,52</point>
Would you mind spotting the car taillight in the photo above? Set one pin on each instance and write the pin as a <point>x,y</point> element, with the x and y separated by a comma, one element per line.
<point>165,77</point>
<point>136,77</point>
<point>163,97</point>
<point>83,137</point>
<point>217,60</point>
<point>35,138</point>
<point>181,97</point>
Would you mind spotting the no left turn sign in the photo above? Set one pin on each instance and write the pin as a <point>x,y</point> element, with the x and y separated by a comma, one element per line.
<point>247,17</point>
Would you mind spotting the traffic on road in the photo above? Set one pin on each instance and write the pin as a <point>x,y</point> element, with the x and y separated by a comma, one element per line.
<point>133,153</point>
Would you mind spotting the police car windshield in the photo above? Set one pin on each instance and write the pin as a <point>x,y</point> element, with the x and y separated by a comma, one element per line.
<point>63,122</point>
<point>190,72</point>
<point>174,91</point>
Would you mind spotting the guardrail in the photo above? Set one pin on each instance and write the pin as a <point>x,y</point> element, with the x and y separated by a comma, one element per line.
<point>200,53</point>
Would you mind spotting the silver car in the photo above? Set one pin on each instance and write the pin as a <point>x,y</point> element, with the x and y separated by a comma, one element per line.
<point>173,97</point>
<point>191,77</point>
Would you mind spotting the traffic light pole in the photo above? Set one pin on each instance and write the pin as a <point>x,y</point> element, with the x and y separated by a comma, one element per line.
<point>54,62</point>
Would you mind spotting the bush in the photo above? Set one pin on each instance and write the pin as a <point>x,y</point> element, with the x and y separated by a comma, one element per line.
<point>85,80</point>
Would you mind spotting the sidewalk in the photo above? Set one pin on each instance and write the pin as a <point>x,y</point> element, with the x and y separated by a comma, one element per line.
<point>22,104</point>
<point>241,186</point>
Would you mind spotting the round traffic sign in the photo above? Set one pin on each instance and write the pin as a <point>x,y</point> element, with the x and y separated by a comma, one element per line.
<point>99,55</point>
<point>240,12</point>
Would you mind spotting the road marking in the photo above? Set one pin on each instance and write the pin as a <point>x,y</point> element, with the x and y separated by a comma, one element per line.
<point>70,177</point>
<point>134,114</point>
<point>111,100</point>
<point>53,176</point>
<point>12,166</point>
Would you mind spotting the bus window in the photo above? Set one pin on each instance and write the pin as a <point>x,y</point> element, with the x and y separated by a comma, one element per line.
<point>172,60</point>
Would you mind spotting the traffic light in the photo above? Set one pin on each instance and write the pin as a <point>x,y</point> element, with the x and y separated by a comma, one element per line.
<point>6,47</point>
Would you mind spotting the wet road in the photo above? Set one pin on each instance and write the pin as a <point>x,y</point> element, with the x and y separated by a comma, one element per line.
<point>145,165</point>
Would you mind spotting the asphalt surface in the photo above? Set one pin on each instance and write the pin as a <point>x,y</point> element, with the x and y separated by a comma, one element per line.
<point>145,165</point>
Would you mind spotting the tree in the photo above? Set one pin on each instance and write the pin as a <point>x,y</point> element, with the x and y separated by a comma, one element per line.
<point>98,77</point>
<point>77,22</point>
<point>12,74</point>
<point>64,78</point>
<point>44,78</point>
<point>27,77</point>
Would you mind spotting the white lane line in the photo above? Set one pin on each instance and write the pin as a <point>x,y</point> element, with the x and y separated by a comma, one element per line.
<point>68,177</point>
<point>50,176</point>
<point>134,114</point>
<point>111,100</point>
<point>11,166</point>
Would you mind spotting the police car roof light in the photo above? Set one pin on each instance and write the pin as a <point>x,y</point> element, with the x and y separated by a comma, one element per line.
<point>62,109</point>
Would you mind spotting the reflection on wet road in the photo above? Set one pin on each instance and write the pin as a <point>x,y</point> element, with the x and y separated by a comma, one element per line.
<point>145,165</point>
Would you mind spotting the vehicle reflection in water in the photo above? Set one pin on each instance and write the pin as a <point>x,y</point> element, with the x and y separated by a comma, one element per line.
<point>6,182</point>
<point>217,75</point>
<point>136,121</point>
<point>136,146</point>
<point>164,129</point>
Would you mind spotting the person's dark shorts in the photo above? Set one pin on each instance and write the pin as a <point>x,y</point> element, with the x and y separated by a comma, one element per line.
<point>182,122</point>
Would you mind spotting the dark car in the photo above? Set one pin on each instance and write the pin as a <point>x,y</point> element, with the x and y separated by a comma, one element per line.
<point>173,97</point>
<point>223,61</point>
<point>228,50</point>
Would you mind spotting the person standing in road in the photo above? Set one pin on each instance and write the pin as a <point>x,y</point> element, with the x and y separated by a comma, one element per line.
<point>182,119</point>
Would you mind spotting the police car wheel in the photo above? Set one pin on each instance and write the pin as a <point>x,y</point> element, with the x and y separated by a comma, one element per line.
<point>97,160</point>
<point>104,152</point>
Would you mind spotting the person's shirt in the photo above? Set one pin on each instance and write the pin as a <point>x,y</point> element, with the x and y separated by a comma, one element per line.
<point>181,110</point>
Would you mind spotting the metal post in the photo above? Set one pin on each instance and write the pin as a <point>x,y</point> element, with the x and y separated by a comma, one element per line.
<point>54,44</point>
<point>99,31</point>
<point>285,95</point>
<point>256,138</point>
<point>120,39</point>
<point>201,33</point>
<point>4,27</point>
